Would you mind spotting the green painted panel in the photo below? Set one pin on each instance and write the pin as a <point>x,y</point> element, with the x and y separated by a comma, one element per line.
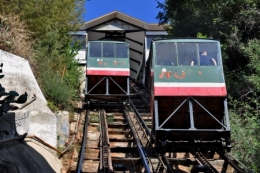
<point>188,74</point>
<point>171,61</point>
<point>108,62</point>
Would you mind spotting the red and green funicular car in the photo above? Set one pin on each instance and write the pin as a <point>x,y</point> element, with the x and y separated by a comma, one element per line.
<point>188,92</point>
<point>107,70</point>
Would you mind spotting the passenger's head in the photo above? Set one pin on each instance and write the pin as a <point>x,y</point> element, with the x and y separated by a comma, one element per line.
<point>204,53</point>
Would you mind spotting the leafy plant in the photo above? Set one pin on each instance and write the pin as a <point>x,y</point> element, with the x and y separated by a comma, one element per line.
<point>245,119</point>
<point>52,106</point>
<point>94,118</point>
<point>110,119</point>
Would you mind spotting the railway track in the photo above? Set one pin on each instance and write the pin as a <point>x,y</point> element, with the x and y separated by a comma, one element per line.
<point>140,104</point>
<point>123,142</point>
<point>116,148</point>
<point>123,145</point>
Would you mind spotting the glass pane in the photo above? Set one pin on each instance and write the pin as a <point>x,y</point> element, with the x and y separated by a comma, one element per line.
<point>187,52</point>
<point>166,54</point>
<point>95,49</point>
<point>149,39</point>
<point>121,50</point>
<point>79,40</point>
<point>108,50</point>
<point>208,54</point>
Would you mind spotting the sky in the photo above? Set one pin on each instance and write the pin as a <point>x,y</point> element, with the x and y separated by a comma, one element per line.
<point>144,10</point>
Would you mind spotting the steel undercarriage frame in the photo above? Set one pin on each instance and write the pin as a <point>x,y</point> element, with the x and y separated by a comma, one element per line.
<point>167,139</point>
<point>90,95</point>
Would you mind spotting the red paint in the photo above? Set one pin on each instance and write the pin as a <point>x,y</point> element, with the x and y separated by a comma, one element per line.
<point>108,72</point>
<point>190,91</point>
<point>183,75</point>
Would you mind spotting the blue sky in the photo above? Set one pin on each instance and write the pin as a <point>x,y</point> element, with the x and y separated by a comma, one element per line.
<point>144,10</point>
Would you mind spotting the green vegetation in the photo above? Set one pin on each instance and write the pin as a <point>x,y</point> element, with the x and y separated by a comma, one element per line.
<point>38,30</point>
<point>94,118</point>
<point>110,119</point>
<point>15,36</point>
<point>236,24</point>
<point>60,148</point>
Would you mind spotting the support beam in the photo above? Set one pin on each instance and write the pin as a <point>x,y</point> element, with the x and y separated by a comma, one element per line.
<point>191,116</point>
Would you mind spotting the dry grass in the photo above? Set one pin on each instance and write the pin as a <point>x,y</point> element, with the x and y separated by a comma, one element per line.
<point>15,37</point>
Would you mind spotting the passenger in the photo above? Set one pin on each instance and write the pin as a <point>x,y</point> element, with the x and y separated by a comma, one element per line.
<point>205,60</point>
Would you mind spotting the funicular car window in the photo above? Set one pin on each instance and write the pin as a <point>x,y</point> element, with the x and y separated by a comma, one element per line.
<point>187,52</point>
<point>95,49</point>
<point>208,54</point>
<point>121,50</point>
<point>166,54</point>
<point>79,40</point>
<point>108,50</point>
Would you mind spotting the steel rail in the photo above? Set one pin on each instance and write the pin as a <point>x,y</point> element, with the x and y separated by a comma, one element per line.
<point>139,94</point>
<point>202,160</point>
<point>167,163</point>
<point>84,143</point>
<point>161,157</point>
<point>139,145</point>
<point>105,157</point>
<point>141,120</point>
<point>239,167</point>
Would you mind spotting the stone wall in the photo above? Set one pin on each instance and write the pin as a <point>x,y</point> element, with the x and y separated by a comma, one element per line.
<point>62,128</point>
<point>37,123</point>
<point>36,118</point>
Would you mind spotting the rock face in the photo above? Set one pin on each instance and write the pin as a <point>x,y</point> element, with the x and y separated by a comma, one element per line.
<point>36,118</point>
